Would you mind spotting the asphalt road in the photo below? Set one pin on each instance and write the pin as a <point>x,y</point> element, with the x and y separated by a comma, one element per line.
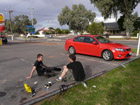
<point>131,43</point>
<point>16,59</point>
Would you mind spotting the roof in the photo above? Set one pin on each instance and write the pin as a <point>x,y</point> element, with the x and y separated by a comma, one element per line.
<point>44,29</point>
<point>111,26</point>
<point>114,24</point>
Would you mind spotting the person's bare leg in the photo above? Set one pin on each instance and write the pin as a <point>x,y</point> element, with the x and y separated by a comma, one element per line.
<point>63,73</point>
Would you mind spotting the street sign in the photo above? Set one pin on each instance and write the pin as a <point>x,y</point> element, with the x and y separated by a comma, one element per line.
<point>30,29</point>
<point>1,17</point>
<point>29,26</point>
<point>2,28</point>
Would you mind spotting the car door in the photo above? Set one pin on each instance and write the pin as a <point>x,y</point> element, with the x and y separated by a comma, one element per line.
<point>90,48</point>
<point>78,44</point>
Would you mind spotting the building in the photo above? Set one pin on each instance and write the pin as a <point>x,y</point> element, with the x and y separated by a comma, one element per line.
<point>43,30</point>
<point>112,29</point>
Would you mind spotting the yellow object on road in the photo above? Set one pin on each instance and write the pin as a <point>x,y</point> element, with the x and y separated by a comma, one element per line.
<point>0,41</point>
<point>27,88</point>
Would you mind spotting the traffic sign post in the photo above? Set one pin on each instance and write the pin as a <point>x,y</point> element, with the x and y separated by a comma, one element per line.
<point>138,48</point>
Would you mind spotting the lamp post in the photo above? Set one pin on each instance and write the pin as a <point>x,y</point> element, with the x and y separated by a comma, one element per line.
<point>31,10</point>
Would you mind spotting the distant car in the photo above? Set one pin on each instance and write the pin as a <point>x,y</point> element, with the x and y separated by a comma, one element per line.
<point>4,39</point>
<point>97,45</point>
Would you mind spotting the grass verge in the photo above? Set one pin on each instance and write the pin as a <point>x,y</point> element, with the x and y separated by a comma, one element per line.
<point>120,86</point>
<point>134,50</point>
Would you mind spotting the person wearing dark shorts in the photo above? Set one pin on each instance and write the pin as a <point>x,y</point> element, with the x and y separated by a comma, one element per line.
<point>73,70</point>
<point>41,68</point>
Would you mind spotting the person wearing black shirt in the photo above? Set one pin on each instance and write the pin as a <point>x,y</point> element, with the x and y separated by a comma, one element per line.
<point>41,68</point>
<point>76,67</point>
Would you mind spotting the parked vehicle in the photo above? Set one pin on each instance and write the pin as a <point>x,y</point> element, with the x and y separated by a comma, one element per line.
<point>97,45</point>
<point>4,39</point>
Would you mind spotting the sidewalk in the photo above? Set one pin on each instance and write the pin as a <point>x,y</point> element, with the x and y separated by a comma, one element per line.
<point>43,93</point>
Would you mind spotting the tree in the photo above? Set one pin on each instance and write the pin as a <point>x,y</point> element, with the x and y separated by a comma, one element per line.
<point>45,33</point>
<point>19,24</point>
<point>125,7</point>
<point>135,23</point>
<point>65,31</point>
<point>37,32</point>
<point>58,31</point>
<point>96,28</point>
<point>120,23</point>
<point>7,25</point>
<point>77,18</point>
<point>51,28</point>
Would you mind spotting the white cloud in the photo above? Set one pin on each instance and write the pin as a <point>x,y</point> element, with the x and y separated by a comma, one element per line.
<point>137,9</point>
<point>101,19</point>
<point>111,19</point>
<point>46,11</point>
<point>8,1</point>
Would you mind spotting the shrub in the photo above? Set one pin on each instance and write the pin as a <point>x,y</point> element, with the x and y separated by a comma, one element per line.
<point>135,32</point>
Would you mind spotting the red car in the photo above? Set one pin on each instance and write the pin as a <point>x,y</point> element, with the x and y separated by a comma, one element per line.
<point>97,45</point>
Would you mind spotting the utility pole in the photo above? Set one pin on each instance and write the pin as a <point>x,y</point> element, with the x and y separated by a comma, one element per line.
<point>31,11</point>
<point>10,19</point>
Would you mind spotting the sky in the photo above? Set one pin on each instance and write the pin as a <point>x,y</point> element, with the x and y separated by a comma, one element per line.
<point>46,11</point>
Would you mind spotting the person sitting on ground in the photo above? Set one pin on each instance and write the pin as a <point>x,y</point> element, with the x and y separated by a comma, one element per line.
<point>73,70</point>
<point>41,68</point>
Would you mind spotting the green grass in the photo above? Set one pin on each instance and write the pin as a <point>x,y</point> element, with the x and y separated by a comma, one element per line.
<point>134,50</point>
<point>120,86</point>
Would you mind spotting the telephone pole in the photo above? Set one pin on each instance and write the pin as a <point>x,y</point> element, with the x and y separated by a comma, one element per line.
<point>31,11</point>
<point>10,19</point>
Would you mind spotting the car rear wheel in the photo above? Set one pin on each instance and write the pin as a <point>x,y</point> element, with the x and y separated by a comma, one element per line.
<point>107,55</point>
<point>72,50</point>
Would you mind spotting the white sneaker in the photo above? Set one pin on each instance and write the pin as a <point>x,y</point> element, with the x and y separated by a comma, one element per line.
<point>58,79</point>
<point>84,84</point>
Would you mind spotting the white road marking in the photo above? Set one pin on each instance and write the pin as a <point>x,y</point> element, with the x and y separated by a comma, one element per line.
<point>3,81</point>
<point>54,39</point>
<point>26,61</point>
<point>64,54</point>
<point>105,62</point>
